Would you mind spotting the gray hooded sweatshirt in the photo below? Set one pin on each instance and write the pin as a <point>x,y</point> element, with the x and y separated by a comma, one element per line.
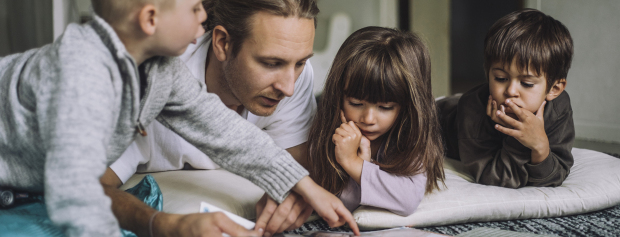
<point>69,109</point>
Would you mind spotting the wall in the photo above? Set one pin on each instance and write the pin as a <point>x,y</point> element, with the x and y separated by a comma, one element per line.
<point>431,20</point>
<point>593,82</point>
<point>337,20</point>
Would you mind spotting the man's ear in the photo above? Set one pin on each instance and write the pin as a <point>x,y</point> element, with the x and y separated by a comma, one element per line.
<point>557,89</point>
<point>220,40</point>
<point>147,19</point>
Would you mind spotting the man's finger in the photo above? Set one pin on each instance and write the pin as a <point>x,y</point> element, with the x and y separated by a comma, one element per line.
<point>293,215</point>
<point>302,218</point>
<point>231,228</point>
<point>280,214</point>
<point>265,214</point>
<point>342,118</point>
<point>541,111</point>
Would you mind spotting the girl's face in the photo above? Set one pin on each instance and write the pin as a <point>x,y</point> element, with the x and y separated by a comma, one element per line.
<point>373,120</point>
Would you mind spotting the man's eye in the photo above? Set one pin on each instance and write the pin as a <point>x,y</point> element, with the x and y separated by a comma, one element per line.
<point>271,64</point>
<point>301,64</point>
<point>528,85</point>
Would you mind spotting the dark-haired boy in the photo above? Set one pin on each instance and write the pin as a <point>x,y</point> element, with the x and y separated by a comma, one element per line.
<point>516,130</point>
<point>71,108</point>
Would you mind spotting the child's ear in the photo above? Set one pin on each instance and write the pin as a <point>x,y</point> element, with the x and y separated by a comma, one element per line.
<point>220,42</point>
<point>556,89</point>
<point>147,18</point>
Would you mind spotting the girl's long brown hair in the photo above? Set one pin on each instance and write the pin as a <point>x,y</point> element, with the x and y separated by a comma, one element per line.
<point>381,65</point>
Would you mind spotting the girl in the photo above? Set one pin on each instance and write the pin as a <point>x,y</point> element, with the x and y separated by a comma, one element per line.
<point>375,139</point>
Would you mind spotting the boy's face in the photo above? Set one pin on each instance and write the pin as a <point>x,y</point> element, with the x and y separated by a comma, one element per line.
<point>179,26</point>
<point>524,88</point>
<point>269,62</point>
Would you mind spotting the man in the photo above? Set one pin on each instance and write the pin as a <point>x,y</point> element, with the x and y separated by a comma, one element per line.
<point>255,59</point>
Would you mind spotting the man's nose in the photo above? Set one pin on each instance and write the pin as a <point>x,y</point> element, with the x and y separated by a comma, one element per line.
<point>286,82</point>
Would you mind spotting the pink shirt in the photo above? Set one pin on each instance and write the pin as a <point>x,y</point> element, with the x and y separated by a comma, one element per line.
<point>398,194</point>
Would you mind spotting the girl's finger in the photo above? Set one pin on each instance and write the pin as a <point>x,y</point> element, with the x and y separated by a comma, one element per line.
<point>342,118</point>
<point>355,128</point>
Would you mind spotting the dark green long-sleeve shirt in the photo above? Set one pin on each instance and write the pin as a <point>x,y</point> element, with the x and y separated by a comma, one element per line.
<point>494,158</point>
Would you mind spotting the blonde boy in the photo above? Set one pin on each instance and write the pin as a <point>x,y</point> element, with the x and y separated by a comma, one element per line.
<point>70,109</point>
<point>517,130</point>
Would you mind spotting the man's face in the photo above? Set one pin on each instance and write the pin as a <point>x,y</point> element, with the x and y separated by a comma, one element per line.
<point>180,26</point>
<point>269,62</point>
<point>524,88</point>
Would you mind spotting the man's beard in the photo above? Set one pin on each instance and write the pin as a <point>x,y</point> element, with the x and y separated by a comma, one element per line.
<point>231,76</point>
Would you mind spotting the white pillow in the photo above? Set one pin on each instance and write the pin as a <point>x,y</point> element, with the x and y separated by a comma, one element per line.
<point>183,191</point>
<point>593,184</point>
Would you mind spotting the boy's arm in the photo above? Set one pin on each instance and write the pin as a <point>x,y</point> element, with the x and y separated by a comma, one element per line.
<point>551,166</point>
<point>75,104</point>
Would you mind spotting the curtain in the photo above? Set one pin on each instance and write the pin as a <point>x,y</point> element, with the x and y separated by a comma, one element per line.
<point>25,24</point>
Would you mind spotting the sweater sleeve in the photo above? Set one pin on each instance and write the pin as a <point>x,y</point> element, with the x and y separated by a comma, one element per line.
<point>75,109</point>
<point>398,194</point>
<point>229,140</point>
<point>561,134</point>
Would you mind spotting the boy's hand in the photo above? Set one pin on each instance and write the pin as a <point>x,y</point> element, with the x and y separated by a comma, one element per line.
<point>492,111</point>
<point>328,206</point>
<point>288,215</point>
<point>529,130</point>
<point>347,139</point>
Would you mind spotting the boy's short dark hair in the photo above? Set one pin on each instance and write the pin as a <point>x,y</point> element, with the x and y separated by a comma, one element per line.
<point>533,39</point>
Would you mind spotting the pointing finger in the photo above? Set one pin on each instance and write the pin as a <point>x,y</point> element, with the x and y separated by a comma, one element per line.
<point>342,118</point>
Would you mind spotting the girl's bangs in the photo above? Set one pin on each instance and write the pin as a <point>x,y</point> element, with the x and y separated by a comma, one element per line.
<point>374,80</point>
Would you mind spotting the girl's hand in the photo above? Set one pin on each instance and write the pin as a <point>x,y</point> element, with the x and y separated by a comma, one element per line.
<point>347,139</point>
<point>364,150</point>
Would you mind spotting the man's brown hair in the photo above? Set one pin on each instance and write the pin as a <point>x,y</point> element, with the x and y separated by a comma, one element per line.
<point>234,15</point>
<point>533,39</point>
<point>379,64</point>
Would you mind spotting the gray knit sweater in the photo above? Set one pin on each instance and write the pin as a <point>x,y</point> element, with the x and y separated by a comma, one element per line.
<point>69,109</point>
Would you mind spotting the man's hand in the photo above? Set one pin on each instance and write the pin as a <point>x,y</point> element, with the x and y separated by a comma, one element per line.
<point>492,111</point>
<point>328,206</point>
<point>529,130</point>
<point>289,215</point>
<point>199,224</point>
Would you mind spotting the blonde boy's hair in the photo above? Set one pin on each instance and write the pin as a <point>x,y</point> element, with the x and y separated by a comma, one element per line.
<point>113,11</point>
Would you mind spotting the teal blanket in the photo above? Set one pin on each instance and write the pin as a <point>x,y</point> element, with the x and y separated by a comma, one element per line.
<point>32,220</point>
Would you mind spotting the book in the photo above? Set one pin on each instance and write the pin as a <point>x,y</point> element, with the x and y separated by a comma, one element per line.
<point>206,207</point>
